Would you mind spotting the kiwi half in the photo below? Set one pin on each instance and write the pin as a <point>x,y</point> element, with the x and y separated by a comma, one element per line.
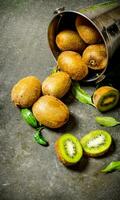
<point>68,149</point>
<point>105,98</point>
<point>96,143</point>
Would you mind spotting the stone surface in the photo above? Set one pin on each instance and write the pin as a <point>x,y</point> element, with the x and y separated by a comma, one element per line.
<point>28,170</point>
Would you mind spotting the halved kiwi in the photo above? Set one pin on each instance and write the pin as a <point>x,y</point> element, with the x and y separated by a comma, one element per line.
<point>96,143</point>
<point>105,98</point>
<point>68,149</point>
<point>95,56</point>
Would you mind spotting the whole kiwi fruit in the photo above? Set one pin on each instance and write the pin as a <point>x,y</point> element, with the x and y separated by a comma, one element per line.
<point>50,111</point>
<point>26,91</point>
<point>71,63</point>
<point>96,143</point>
<point>87,31</point>
<point>68,149</point>
<point>95,56</point>
<point>69,40</point>
<point>57,84</point>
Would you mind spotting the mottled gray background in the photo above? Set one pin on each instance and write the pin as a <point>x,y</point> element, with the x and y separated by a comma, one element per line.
<point>29,171</point>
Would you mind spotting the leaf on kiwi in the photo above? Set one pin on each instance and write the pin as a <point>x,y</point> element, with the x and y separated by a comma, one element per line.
<point>54,70</point>
<point>80,94</point>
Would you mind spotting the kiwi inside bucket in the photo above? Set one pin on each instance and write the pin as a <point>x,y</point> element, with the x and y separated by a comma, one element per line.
<point>66,20</point>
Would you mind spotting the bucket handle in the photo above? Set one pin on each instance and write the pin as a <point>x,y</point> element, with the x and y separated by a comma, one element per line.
<point>59,10</point>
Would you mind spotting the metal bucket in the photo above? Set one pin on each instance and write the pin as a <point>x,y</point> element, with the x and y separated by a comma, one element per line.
<point>106,19</point>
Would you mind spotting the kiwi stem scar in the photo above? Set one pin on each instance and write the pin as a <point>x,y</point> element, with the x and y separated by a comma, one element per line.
<point>92,62</point>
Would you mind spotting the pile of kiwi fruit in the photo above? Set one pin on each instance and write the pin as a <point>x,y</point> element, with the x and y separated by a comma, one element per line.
<point>43,98</point>
<point>49,110</point>
<point>81,50</point>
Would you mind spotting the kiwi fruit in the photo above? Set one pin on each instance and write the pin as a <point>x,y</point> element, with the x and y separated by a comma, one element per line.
<point>71,63</point>
<point>68,149</point>
<point>105,98</point>
<point>26,91</point>
<point>87,31</point>
<point>50,111</point>
<point>57,84</point>
<point>96,143</point>
<point>69,40</point>
<point>95,56</point>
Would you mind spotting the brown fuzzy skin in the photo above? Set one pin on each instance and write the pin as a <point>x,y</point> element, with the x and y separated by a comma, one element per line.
<point>71,63</point>
<point>68,40</point>
<point>26,91</point>
<point>50,111</point>
<point>87,31</point>
<point>95,155</point>
<point>101,92</point>
<point>95,56</point>
<point>58,153</point>
<point>57,84</point>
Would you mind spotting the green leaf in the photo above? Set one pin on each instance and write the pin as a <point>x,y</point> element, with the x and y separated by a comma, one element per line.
<point>80,94</point>
<point>29,117</point>
<point>54,70</point>
<point>39,137</point>
<point>107,121</point>
<point>115,165</point>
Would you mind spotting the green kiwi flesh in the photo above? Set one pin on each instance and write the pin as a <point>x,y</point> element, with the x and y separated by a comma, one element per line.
<point>96,143</point>
<point>105,98</point>
<point>109,101</point>
<point>68,149</point>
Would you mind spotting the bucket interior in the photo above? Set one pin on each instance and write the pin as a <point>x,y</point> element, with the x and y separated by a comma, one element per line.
<point>66,20</point>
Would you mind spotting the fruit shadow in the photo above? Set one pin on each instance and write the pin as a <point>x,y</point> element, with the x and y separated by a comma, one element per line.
<point>71,126</point>
<point>81,166</point>
<point>112,74</point>
<point>68,98</point>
